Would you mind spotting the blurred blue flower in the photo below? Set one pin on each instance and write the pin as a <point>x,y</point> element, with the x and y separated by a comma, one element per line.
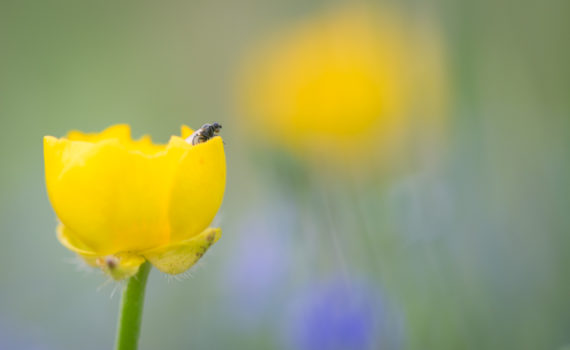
<point>341,314</point>
<point>260,262</point>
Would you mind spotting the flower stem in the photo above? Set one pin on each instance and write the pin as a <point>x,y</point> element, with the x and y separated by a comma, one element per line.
<point>130,316</point>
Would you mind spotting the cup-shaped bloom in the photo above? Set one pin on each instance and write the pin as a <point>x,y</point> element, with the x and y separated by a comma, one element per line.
<point>122,201</point>
<point>347,87</point>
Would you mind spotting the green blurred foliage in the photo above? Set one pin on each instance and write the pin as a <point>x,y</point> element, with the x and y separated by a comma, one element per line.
<point>473,254</point>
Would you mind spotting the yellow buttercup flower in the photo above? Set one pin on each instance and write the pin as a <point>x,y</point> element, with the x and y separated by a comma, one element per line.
<point>349,85</point>
<point>122,201</point>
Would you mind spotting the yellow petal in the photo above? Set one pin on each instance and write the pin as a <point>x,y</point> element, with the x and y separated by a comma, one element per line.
<point>122,133</point>
<point>119,131</point>
<point>179,257</point>
<point>111,198</point>
<point>185,131</point>
<point>145,145</point>
<point>59,154</point>
<point>197,189</point>
<point>118,266</point>
<point>70,241</point>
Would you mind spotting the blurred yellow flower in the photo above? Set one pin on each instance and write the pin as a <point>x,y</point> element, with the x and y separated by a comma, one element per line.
<point>346,86</point>
<point>122,201</point>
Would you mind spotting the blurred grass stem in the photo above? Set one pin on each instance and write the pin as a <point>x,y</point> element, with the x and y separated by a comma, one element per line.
<point>130,316</point>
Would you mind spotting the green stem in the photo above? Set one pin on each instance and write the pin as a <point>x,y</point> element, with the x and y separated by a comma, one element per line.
<point>132,303</point>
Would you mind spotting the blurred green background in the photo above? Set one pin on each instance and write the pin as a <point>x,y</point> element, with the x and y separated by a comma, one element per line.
<point>472,254</point>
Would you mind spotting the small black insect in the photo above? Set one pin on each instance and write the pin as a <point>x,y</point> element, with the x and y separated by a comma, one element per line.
<point>206,132</point>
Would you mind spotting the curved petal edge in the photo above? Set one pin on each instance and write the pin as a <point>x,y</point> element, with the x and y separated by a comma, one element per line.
<point>179,257</point>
